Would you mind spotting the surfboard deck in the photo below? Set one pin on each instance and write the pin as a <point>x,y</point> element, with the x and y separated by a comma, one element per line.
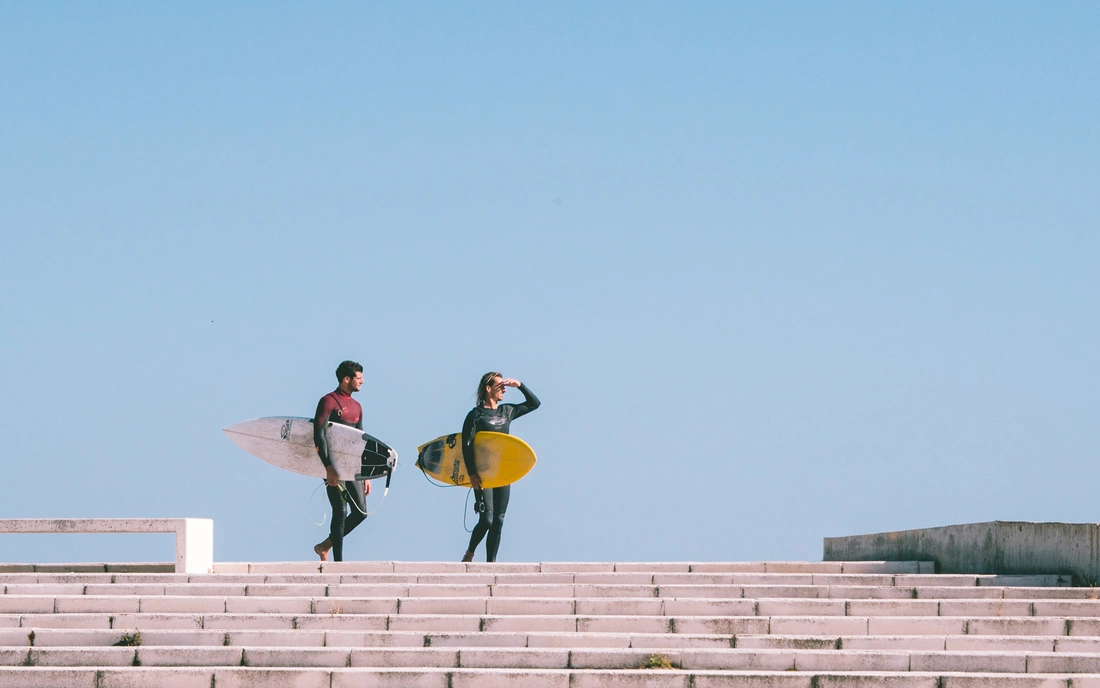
<point>287,442</point>
<point>501,459</point>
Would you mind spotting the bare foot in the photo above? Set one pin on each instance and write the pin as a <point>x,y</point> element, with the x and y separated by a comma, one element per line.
<point>469,556</point>
<point>322,548</point>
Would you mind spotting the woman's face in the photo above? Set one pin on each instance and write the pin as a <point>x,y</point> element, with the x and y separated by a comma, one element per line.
<point>495,389</point>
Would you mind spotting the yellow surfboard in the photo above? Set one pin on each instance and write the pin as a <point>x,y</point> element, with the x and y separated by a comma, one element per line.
<point>501,459</point>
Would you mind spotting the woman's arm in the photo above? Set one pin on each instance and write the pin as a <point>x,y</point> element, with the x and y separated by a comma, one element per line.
<point>530,401</point>
<point>469,429</point>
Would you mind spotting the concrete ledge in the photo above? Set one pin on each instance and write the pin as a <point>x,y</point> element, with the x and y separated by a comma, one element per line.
<point>194,537</point>
<point>994,547</point>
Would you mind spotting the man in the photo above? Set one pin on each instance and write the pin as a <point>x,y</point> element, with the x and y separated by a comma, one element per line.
<point>338,407</point>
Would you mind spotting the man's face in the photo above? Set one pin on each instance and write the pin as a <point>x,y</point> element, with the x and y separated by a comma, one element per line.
<point>355,382</point>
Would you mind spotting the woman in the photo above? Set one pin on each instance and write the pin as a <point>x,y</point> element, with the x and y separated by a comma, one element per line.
<point>492,416</point>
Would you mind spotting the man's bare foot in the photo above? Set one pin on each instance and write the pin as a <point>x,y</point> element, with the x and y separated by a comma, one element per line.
<point>322,548</point>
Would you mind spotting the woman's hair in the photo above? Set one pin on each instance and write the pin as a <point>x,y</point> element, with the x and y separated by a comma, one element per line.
<point>485,380</point>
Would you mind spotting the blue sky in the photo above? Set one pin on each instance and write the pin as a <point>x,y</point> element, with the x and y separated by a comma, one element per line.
<point>777,271</point>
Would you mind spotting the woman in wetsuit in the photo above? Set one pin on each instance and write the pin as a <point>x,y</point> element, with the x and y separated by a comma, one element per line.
<point>492,416</point>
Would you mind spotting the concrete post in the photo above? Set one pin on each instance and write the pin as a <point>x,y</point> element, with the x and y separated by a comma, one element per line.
<point>195,546</point>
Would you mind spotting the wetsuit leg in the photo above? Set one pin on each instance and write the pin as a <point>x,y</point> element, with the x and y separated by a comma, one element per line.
<point>336,524</point>
<point>343,522</point>
<point>497,506</point>
<point>358,507</point>
<point>484,521</point>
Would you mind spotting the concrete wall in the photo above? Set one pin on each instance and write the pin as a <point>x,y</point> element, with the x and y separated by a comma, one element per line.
<point>1004,547</point>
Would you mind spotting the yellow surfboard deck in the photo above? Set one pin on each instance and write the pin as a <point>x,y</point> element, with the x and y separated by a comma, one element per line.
<point>501,459</point>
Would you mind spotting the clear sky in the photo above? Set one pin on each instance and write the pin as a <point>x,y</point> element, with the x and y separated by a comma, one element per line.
<point>778,271</point>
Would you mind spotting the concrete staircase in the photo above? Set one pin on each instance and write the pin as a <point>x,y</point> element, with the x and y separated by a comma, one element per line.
<point>565,625</point>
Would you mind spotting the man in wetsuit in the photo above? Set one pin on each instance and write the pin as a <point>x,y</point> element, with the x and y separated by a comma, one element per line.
<point>338,407</point>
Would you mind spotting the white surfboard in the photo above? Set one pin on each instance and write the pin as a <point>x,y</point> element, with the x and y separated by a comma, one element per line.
<point>287,442</point>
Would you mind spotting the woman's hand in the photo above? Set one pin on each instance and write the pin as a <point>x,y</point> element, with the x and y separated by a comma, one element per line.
<point>511,382</point>
<point>475,481</point>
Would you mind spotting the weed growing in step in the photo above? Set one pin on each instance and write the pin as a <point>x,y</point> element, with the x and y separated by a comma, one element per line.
<point>658,662</point>
<point>131,639</point>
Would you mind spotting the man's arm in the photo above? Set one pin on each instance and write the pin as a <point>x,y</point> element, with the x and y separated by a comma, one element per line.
<point>325,407</point>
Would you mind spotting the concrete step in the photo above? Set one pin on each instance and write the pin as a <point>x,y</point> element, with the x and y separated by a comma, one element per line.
<point>586,567</point>
<point>556,590</point>
<point>67,637</point>
<point>559,658</point>
<point>247,677</point>
<point>625,620</point>
<point>480,567</point>
<point>105,567</point>
<point>584,602</point>
<point>578,578</point>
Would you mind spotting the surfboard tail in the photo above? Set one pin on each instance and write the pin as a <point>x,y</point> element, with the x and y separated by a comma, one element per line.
<point>388,472</point>
<point>377,460</point>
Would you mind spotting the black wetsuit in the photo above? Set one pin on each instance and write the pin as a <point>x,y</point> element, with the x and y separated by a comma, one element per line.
<point>495,499</point>
<point>338,407</point>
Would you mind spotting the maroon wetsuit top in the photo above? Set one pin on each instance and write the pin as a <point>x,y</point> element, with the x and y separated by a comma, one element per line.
<point>335,407</point>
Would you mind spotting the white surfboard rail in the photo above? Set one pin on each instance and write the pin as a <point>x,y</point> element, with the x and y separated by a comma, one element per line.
<point>194,536</point>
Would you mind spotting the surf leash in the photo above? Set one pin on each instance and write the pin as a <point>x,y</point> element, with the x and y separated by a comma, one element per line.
<point>436,483</point>
<point>323,515</point>
<point>466,510</point>
<point>344,495</point>
<point>349,500</point>
<point>385,493</point>
<point>479,506</point>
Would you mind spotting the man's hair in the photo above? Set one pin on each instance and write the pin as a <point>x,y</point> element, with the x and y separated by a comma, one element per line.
<point>347,369</point>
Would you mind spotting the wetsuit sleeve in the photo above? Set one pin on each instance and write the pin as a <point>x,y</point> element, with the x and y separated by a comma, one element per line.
<point>469,429</point>
<point>325,407</point>
<point>530,402</point>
